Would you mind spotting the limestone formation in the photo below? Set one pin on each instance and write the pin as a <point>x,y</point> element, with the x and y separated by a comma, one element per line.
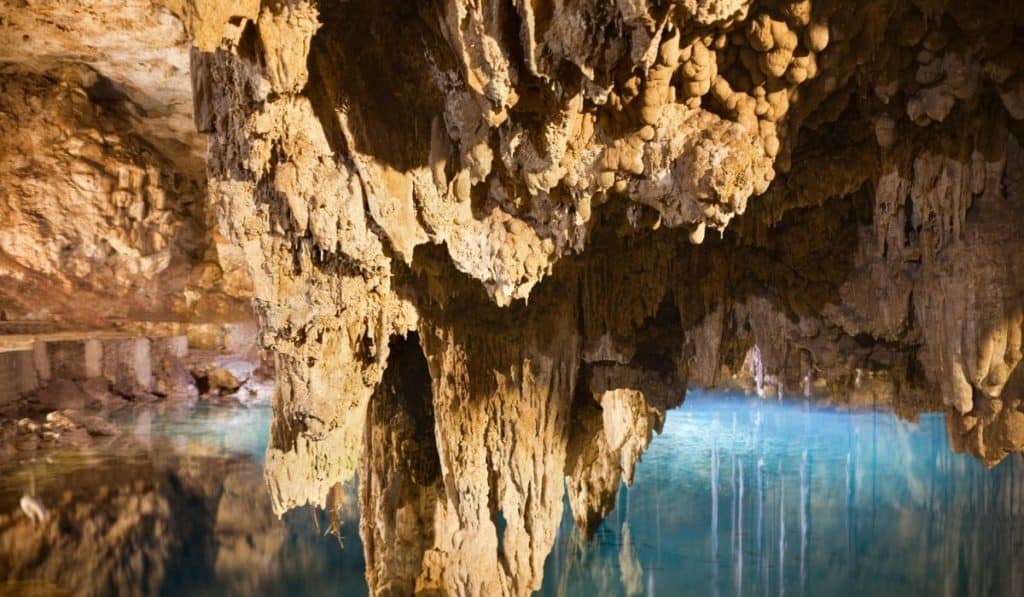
<point>491,242</point>
<point>506,184</point>
<point>103,214</point>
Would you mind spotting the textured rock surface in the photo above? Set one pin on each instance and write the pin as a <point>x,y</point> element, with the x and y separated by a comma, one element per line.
<point>562,212</point>
<point>103,213</point>
<point>579,207</point>
<point>138,50</point>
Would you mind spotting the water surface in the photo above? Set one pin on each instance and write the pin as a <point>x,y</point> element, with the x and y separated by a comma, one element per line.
<point>742,496</point>
<point>738,496</point>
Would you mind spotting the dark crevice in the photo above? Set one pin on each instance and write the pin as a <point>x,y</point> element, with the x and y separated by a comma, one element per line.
<point>404,402</point>
<point>387,90</point>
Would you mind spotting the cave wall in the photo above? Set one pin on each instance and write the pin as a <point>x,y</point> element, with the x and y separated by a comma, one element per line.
<point>103,210</point>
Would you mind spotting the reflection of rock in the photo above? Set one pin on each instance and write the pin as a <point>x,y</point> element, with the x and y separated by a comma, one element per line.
<point>69,429</point>
<point>125,540</point>
<point>71,419</point>
<point>609,572</point>
<point>249,537</point>
<point>150,517</point>
<point>629,565</point>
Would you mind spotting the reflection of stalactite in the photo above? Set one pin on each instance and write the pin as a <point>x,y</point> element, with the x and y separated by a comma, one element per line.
<point>714,510</point>
<point>804,520</point>
<point>874,469</point>
<point>739,531</point>
<point>850,545</point>
<point>1015,500</point>
<point>762,553</point>
<point>583,557</point>
<point>629,564</point>
<point>732,509</point>
<point>782,535</point>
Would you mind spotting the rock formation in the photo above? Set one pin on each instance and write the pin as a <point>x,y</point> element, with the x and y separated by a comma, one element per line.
<point>533,190</point>
<point>557,214</point>
<point>103,215</point>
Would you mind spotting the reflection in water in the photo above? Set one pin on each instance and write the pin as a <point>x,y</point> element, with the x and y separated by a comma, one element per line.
<point>814,501</point>
<point>177,506</point>
<point>876,506</point>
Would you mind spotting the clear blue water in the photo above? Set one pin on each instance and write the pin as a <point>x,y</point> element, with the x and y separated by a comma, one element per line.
<point>738,496</point>
<point>741,496</point>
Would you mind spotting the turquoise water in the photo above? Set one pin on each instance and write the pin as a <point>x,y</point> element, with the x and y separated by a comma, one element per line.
<point>741,496</point>
<point>738,496</point>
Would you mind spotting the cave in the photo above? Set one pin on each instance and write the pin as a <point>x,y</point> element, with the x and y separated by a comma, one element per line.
<point>559,297</point>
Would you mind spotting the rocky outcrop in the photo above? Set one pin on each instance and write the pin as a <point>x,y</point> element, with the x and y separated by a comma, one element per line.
<point>103,206</point>
<point>138,51</point>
